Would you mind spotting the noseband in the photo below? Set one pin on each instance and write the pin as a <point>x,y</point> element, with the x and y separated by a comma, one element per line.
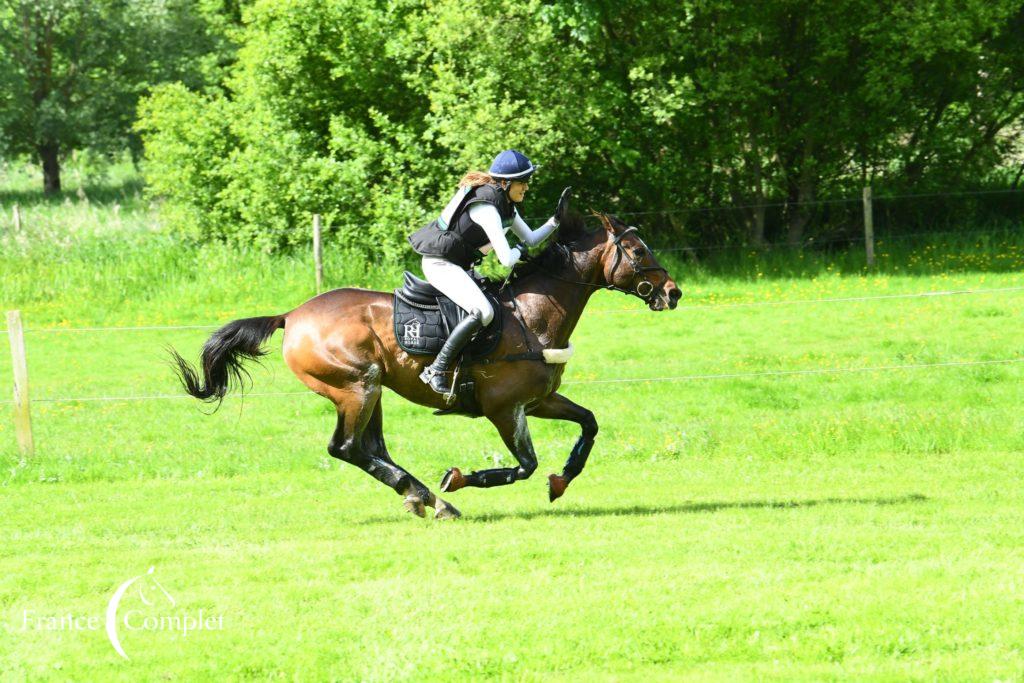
<point>644,288</point>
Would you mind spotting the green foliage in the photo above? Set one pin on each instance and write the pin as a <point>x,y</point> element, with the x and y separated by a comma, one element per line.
<point>190,151</point>
<point>368,111</point>
<point>309,125</point>
<point>72,71</point>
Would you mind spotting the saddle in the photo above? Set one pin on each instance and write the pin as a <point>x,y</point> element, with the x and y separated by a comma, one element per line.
<point>424,317</point>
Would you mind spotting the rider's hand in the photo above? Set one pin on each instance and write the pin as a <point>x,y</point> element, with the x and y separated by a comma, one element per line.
<point>562,209</point>
<point>516,255</point>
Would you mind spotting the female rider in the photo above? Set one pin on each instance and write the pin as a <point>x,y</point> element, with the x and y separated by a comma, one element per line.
<point>472,224</point>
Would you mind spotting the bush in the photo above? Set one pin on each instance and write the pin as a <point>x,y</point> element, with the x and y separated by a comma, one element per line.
<point>368,111</point>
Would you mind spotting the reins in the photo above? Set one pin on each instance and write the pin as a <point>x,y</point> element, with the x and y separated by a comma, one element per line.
<point>620,254</point>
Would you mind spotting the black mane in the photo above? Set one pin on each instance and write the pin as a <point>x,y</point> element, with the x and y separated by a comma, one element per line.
<point>556,254</point>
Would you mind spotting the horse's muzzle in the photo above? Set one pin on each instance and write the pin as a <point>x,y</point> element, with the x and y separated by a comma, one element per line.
<point>674,295</point>
<point>667,298</point>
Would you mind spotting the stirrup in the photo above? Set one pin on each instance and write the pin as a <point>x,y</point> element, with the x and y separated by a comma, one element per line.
<point>440,381</point>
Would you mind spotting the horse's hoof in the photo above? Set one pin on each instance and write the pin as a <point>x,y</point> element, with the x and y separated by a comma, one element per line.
<point>556,486</point>
<point>414,504</point>
<point>446,511</point>
<point>452,480</point>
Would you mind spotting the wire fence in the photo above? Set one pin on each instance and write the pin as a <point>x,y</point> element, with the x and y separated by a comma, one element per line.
<point>814,243</point>
<point>583,382</point>
<point>808,371</point>
<point>823,202</point>
<point>845,299</point>
<point>880,240</point>
<point>721,304</point>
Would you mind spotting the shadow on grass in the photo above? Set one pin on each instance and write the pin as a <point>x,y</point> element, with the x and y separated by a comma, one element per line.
<point>124,192</point>
<point>679,509</point>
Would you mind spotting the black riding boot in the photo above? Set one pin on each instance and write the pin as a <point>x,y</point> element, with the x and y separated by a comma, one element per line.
<point>438,374</point>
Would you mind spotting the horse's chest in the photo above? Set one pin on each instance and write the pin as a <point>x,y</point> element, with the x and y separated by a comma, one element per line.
<point>556,378</point>
<point>551,382</point>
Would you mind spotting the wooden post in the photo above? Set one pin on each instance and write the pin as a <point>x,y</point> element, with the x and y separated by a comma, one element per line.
<point>869,227</point>
<point>22,416</point>
<point>17,219</point>
<point>318,253</point>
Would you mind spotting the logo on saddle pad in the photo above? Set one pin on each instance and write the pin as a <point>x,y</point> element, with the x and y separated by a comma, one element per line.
<point>412,333</point>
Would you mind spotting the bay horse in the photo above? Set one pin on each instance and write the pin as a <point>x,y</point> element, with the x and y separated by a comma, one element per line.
<point>342,345</point>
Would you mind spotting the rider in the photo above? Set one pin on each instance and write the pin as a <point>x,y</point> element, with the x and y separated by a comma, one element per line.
<point>473,223</point>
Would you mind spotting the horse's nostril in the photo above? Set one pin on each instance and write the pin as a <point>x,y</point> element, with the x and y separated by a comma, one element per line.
<point>675,294</point>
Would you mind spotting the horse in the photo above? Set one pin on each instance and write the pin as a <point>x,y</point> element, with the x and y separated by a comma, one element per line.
<point>342,345</point>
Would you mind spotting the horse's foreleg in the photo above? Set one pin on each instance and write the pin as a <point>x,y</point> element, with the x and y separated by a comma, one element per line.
<point>558,407</point>
<point>512,427</point>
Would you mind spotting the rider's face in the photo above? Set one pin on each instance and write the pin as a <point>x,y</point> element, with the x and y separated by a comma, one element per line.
<point>517,190</point>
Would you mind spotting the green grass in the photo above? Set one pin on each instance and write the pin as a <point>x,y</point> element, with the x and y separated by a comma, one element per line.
<point>826,526</point>
<point>893,566</point>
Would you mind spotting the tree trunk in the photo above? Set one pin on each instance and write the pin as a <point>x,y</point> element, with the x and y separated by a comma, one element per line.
<point>755,224</point>
<point>1016,178</point>
<point>51,167</point>
<point>799,210</point>
<point>756,227</point>
<point>801,183</point>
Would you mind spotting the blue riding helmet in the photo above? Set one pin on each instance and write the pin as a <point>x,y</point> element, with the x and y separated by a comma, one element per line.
<point>511,165</point>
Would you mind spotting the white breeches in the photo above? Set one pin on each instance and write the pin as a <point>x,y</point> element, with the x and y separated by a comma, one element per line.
<point>457,285</point>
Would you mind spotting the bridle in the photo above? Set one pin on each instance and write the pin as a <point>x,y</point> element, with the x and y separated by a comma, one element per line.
<point>645,293</point>
<point>638,269</point>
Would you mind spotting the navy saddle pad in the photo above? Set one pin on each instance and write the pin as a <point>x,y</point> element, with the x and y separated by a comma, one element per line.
<point>424,317</point>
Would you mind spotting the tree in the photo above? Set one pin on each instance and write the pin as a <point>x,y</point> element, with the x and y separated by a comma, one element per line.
<point>73,70</point>
<point>797,100</point>
<point>367,111</point>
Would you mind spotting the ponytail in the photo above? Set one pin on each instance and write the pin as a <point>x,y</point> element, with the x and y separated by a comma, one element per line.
<point>476,179</point>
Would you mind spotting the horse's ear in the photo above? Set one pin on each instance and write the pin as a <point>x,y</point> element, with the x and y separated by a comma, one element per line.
<point>610,223</point>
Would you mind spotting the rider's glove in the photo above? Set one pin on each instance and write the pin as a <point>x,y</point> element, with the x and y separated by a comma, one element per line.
<point>563,205</point>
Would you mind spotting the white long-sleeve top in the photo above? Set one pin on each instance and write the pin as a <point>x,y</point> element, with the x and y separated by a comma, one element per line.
<point>488,218</point>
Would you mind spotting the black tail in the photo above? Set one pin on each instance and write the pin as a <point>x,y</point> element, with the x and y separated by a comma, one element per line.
<point>222,357</point>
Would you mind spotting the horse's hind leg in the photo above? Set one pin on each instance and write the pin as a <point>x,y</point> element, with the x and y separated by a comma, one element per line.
<point>351,443</point>
<point>373,441</point>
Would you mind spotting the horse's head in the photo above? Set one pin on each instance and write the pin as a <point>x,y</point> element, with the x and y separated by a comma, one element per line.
<point>630,266</point>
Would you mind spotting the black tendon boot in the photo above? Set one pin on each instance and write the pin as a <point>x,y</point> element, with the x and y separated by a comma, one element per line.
<point>438,374</point>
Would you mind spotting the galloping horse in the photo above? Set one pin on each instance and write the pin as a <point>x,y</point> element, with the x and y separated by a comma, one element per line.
<point>342,345</point>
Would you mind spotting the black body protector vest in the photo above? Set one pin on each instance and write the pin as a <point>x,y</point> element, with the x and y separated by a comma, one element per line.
<point>453,235</point>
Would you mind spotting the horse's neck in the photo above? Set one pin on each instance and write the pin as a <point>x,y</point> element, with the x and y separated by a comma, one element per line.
<point>552,303</point>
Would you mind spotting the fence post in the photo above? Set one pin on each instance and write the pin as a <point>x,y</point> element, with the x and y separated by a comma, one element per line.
<point>869,227</point>
<point>22,416</point>
<point>17,219</point>
<point>318,253</point>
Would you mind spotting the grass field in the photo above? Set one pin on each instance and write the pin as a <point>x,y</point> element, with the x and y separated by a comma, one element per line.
<point>842,525</point>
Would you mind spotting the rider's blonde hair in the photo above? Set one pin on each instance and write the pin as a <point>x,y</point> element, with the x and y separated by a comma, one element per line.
<point>476,179</point>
